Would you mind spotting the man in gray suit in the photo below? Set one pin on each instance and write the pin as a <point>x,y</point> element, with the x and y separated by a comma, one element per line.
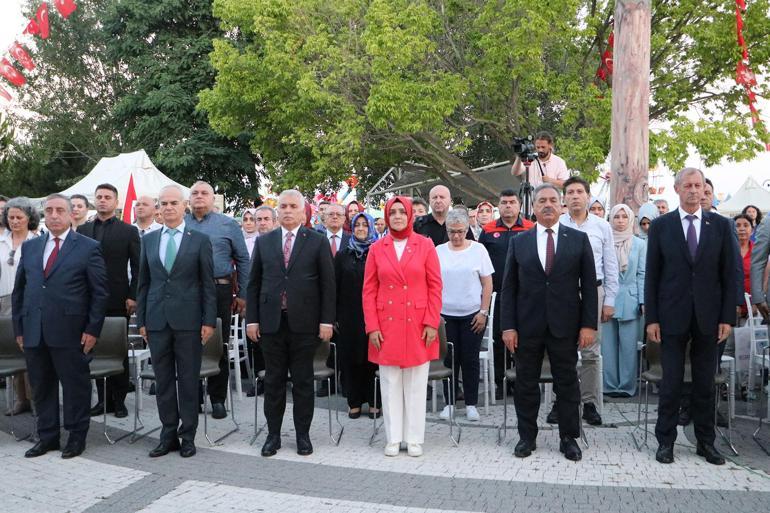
<point>759,255</point>
<point>176,313</point>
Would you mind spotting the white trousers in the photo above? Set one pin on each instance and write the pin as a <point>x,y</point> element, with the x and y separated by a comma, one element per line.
<point>403,402</point>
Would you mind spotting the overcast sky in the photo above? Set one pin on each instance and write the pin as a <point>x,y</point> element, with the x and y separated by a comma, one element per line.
<point>727,177</point>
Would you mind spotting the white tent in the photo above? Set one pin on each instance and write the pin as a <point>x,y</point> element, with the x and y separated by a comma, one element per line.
<point>750,193</point>
<point>118,171</point>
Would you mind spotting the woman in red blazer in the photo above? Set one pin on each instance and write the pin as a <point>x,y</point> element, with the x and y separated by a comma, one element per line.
<point>402,307</point>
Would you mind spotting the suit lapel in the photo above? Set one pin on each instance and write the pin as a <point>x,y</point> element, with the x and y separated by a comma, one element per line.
<point>184,248</point>
<point>706,232</point>
<point>390,254</point>
<point>679,235</point>
<point>64,249</point>
<point>561,244</point>
<point>153,249</point>
<point>297,248</point>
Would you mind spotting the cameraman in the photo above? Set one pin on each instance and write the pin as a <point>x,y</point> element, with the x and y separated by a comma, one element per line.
<point>552,169</point>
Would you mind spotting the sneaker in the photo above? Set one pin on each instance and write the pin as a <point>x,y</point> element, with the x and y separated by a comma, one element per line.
<point>446,412</point>
<point>392,449</point>
<point>472,414</point>
<point>414,450</point>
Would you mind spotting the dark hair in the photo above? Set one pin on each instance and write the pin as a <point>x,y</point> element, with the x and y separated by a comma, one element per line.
<point>509,192</point>
<point>324,202</point>
<point>759,214</point>
<point>573,180</point>
<point>420,201</point>
<point>23,204</point>
<point>743,216</point>
<point>109,187</point>
<point>544,136</point>
<point>3,198</point>
<point>81,197</point>
<point>708,181</point>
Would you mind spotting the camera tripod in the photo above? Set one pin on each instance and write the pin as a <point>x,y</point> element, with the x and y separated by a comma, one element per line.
<point>526,190</point>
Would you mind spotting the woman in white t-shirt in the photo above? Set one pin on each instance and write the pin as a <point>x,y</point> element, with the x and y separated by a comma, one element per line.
<point>466,271</point>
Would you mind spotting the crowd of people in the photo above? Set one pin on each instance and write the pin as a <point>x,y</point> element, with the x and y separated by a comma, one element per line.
<point>575,280</point>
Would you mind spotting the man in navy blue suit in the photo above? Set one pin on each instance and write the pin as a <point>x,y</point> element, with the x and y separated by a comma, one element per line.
<point>689,296</point>
<point>59,303</point>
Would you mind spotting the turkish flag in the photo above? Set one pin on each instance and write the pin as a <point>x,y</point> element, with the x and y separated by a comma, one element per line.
<point>65,7</point>
<point>22,57</point>
<point>128,206</point>
<point>39,26</point>
<point>13,75</point>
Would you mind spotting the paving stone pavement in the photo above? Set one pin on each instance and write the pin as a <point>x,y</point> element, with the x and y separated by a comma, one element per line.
<point>479,475</point>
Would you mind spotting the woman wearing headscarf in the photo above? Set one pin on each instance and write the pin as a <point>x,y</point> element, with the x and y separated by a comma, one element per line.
<point>597,208</point>
<point>402,311</point>
<point>351,209</point>
<point>619,334</point>
<point>647,214</point>
<point>349,266</point>
<point>249,227</point>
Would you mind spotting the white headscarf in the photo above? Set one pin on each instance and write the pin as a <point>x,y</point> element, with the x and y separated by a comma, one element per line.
<point>623,239</point>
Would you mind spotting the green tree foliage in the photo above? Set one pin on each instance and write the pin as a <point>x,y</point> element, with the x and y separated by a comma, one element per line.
<point>326,88</point>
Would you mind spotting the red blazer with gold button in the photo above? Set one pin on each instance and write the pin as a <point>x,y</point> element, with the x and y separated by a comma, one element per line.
<point>400,298</point>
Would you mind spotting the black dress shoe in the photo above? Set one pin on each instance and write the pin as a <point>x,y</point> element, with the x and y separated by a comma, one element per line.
<point>120,410</point>
<point>261,388</point>
<point>570,449</point>
<point>590,415</point>
<point>272,444</point>
<point>323,390</point>
<point>354,414</point>
<point>188,449</point>
<point>375,414</point>
<point>73,448</point>
<point>98,409</point>
<point>524,448</point>
<point>131,387</point>
<point>665,453</point>
<point>553,416</point>
<point>152,389</point>
<point>684,417</point>
<point>722,420</point>
<point>304,447</point>
<point>710,453</point>
<point>251,391</point>
<point>165,447</point>
<point>41,448</point>
<point>218,411</point>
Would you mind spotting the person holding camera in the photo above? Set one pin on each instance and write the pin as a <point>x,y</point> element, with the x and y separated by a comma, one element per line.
<point>548,168</point>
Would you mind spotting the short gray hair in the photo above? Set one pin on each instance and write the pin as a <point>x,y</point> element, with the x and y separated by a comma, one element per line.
<point>291,192</point>
<point>686,172</point>
<point>58,195</point>
<point>457,216</point>
<point>23,204</point>
<point>170,186</point>
<point>661,202</point>
<point>540,188</point>
<point>266,207</point>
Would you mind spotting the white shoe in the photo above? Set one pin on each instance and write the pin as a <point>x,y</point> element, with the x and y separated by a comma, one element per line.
<point>414,450</point>
<point>446,412</point>
<point>392,449</point>
<point>472,414</point>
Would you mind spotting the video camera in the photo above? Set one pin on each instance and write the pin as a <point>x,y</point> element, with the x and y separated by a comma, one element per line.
<point>524,147</point>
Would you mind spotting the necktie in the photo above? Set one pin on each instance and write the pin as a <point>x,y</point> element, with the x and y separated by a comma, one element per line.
<point>334,245</point>
<point>52,257</point>
<point>549,252</point>
<point>692,237</point>
<point>286,256</point>
<point>168,263</point>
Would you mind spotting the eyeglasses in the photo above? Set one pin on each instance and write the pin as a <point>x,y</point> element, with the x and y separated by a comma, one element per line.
<point>11,261</point>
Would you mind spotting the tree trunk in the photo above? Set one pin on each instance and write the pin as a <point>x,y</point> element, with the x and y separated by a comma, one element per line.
<point>630,104</point>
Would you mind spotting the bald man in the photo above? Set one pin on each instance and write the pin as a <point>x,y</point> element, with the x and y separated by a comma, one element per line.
<point>433,225</point>
<point>144,213</point>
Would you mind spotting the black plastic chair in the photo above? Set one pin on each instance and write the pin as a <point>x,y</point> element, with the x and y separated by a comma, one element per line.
<point>12,363</point>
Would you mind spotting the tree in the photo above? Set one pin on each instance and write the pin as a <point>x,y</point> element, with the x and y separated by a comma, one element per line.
<point>328,88</point>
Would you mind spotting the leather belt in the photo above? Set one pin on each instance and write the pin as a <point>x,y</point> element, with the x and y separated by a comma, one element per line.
<point>222,281</point>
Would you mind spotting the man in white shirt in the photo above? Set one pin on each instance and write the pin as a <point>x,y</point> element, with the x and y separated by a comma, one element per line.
<point>144,212</point>
<point>548,168</point>
<point>335,219</point>
<point>577,194</point>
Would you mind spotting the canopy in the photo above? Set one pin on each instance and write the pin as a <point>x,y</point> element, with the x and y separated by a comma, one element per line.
<point>118,171</point>
<point>750,193</point>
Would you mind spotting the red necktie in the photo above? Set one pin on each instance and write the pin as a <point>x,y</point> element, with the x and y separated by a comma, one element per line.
<point>549,252</point>
<point>52,257</point>
<point>286,257</point>
<point>334,245</point>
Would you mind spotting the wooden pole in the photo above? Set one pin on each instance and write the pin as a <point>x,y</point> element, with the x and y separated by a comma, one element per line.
<point>630,154</point>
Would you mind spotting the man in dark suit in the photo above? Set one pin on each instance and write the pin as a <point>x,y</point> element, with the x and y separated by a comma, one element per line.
<point>176,314</point>
<point>120,248</point>
<point>689,295</point>
<point>290,305</point>
<point>59,301</point>
<point>549,303</point>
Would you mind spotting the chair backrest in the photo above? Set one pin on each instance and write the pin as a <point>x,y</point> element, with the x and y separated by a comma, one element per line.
<point>322,353</point>
<point>652,354</point>
<point>113,341</point>
<point>442,341</point>
<point>8,347</point>
<point>212,350</point>
<point>489,337</point>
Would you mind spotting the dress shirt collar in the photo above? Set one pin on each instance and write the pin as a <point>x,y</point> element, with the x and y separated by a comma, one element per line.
<point>179,228</point>
<point>62,237</point>
<point>698,214</point>
<point>541,229</point>
<point>284,231</point>
<point>329,233</point>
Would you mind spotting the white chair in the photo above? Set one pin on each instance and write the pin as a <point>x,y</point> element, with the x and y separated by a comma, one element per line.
<point>238,352</point>
<point>760,357</point>
<point>487,359</point>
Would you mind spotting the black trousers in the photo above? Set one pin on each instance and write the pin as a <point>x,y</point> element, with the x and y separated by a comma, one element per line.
<point>562,353</point>
<point>293,352</point>
<point>47,366</point>
<point>176,359</point>
<point>117,386</point>
<point>466,355</point>
<point>359,380</point>
<point>218,384</point>
<point>703,360</point>
<point>687,387</point>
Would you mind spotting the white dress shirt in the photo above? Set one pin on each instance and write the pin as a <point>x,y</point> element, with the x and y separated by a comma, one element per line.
<point>284,231</point>
<point>686,223</point>
<point>153,226</point>
<point>50,244</point>
<point>164,241</point>
<point>338,239</point>
<point>542,241</point>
